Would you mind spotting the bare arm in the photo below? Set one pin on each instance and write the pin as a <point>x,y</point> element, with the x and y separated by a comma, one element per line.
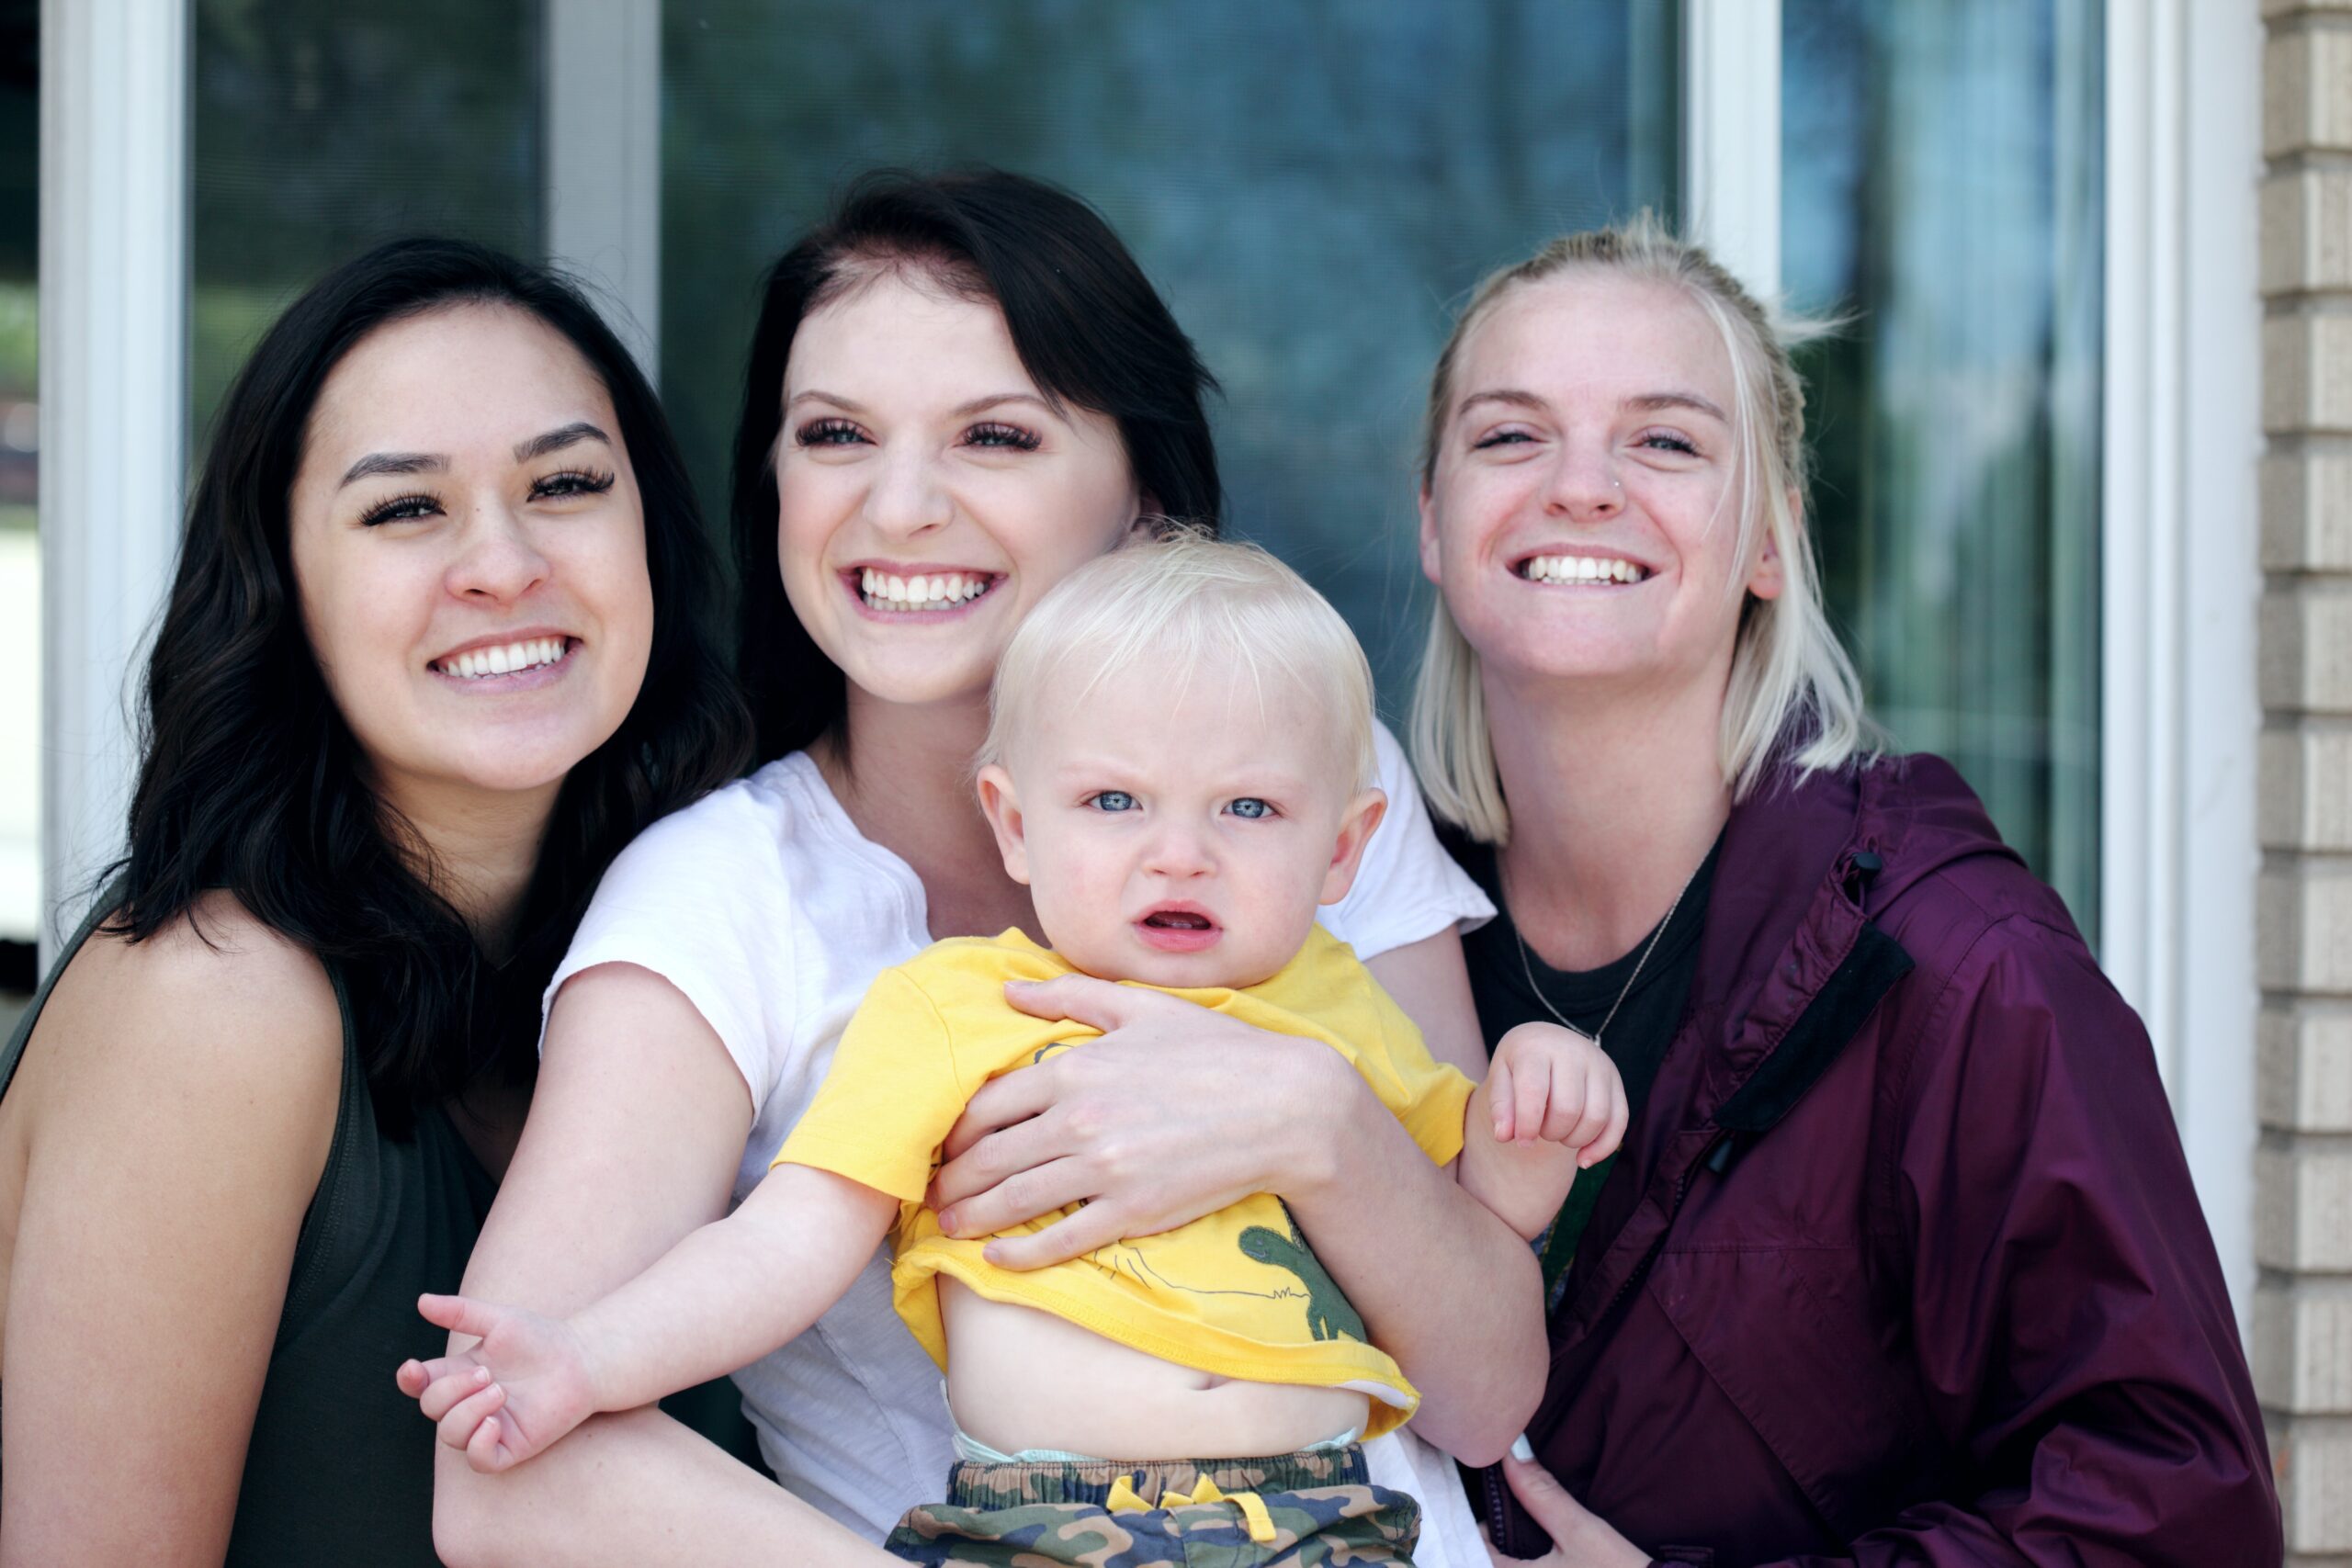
<point>728,1293</point>
<point>1443,1284</point>
<point>635,1128</point>
<point>177,1104</point>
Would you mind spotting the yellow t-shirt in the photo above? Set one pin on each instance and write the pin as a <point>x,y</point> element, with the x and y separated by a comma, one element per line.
<point>1237,1293</point>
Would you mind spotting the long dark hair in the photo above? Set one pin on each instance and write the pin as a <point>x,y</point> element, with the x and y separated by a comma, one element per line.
<point>252,782</point>
<point>1087,323</point>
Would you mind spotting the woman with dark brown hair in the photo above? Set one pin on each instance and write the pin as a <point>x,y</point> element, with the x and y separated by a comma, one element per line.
<point>435,650</point>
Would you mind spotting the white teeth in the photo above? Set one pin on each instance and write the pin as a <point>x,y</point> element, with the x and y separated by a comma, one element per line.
<point>476,663</point>
<point>1581,569</point>
<point>941,591</point>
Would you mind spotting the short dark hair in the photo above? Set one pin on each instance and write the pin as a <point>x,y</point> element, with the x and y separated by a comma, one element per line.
<point>249,778</point>
<point>1087,323</point>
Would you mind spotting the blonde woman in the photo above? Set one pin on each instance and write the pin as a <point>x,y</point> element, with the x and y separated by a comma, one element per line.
<point>1899,1260</point>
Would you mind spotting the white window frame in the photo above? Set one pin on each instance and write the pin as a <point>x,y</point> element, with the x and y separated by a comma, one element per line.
<point>604,161</point>
<point>113,407</point>
<point>2180,713</point>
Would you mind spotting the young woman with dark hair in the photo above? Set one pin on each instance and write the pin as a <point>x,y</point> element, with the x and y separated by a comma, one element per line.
<point>437,648</point>
<point>962,388</point>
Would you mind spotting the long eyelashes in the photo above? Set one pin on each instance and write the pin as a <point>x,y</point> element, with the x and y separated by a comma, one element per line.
<point>563,486</point>
<point>827,432</point>
<point>400,508</point>
<point>996,435</point>
<point>993,433</point>
<point>573,481</point>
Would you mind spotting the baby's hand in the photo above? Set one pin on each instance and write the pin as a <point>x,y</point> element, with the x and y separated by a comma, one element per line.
<point>1553,1085</point>
<point>525,1385</point>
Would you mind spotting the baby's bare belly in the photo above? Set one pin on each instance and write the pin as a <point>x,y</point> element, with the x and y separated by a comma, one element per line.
<point>1024,1378</point>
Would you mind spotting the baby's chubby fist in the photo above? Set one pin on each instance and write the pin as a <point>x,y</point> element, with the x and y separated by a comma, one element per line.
<point>1547,1084</point>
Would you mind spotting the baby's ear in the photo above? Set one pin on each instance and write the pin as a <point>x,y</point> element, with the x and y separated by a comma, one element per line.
<point>1001,807</point>
<point>1356,824</point>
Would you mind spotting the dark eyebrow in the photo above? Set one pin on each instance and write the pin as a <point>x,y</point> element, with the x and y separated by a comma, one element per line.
<point>556,440</point>
<point>980,405</point>
<point>395,463</point>
<point>962,410</point>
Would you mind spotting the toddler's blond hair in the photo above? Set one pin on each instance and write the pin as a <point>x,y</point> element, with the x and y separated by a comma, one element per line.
<point>1184,603</point>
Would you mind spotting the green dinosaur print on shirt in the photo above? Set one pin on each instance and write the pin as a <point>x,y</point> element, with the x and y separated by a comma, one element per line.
<point>1328,1314</point>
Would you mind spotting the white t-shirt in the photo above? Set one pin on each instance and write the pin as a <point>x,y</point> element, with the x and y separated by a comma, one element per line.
<point>766,907</point>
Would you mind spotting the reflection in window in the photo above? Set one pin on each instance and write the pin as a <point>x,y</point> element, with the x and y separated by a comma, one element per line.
<point>320,130</point>
<point>1313,187</point>
<point>1942,181</point>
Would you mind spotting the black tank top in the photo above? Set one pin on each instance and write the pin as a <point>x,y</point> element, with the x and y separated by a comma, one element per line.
<point>340,1468</point>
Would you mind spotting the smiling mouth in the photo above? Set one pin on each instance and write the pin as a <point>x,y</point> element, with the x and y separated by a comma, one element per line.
<point>1605,571</point>
<point>921,592</point>
<point>505,658</point>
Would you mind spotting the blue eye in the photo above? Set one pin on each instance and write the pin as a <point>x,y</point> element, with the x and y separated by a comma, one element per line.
<point>1250,807</point>
<point>828,433</point>
<point>1112,800</point>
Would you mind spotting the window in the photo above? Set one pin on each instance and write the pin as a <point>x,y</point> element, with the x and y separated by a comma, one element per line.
<point>319,131</point>
<point>1941,180</point>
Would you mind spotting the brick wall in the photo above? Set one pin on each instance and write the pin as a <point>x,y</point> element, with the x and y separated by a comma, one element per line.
<point>2303,1318</point>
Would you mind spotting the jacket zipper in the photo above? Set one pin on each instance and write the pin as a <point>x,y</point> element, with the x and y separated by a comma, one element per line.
<point>1498,1515</point>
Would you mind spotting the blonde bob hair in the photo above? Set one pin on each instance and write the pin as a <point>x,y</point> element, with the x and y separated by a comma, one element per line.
<point>1793,697</point>
<point>1187,605</point>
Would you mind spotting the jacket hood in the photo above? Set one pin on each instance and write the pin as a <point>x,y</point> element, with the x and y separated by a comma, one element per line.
<point>1811,833</point>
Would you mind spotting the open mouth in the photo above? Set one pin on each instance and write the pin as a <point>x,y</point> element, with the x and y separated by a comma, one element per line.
<point>1606,571</point>
<point>505,658</point>
<point>1177,928</point>
<point>919,592</point>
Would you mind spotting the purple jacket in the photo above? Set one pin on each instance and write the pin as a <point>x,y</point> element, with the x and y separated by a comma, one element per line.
<point>1901,1262</point>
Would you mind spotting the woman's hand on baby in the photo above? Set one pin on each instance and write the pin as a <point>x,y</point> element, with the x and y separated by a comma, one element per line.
<point>526,1384</point>
<point>1177,1111</point>
<point>1552,1085</point>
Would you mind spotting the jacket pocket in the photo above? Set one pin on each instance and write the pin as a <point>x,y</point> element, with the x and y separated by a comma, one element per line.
<point>1791,1338</point>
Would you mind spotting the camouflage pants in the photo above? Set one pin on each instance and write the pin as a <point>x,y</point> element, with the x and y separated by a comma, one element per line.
<point>1298,1510</point>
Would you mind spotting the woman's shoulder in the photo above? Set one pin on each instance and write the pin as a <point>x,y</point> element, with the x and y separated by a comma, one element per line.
<point>235,1026</point>
<point>217,976</point>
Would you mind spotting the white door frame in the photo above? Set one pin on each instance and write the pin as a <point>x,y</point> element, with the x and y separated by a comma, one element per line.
<point>2180,713</point>
<point>113,407</point>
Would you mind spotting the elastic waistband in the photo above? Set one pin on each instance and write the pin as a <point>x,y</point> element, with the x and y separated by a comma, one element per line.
<point>982,1485</point>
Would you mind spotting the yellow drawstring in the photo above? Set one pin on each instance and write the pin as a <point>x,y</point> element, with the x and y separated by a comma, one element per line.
<point>1123,1500</point>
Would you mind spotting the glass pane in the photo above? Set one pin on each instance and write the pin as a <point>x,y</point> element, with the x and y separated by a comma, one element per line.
<point>321,129</point>
<point>1313,186</point>
<point>1942,182</point>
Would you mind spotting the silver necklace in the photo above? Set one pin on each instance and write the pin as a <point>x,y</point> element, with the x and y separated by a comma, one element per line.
<point>1528,968</point>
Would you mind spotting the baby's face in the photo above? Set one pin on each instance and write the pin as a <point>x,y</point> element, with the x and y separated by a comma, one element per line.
<point>1180,831</point>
